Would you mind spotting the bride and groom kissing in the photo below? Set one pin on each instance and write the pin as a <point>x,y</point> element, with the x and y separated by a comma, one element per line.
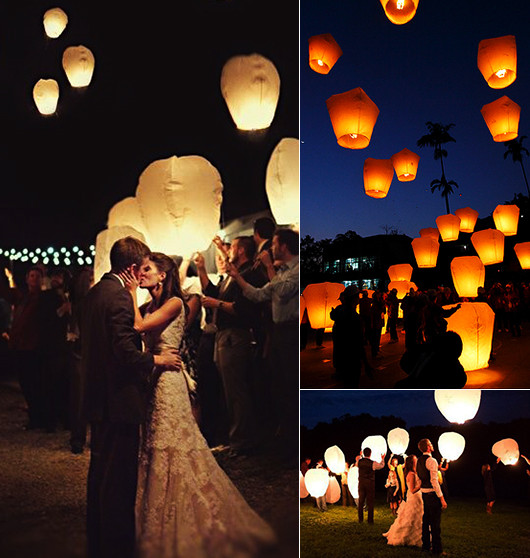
<point>154,488</point>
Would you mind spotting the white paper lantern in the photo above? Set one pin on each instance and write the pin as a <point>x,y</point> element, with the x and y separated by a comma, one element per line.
<point>457,405</point>
<point>46,95</point>
<point>333,491</point>
<point>398,441</point>
<point>283,182</point>
<point>378,446</point>
<point>451,445</point>
<point>78,64</point>
<point>507,450</point>
<point>316,482</point>
<point>251,87</point>
<point>55,21</point>
<point>303,490</point>
<point>335,460</point>
<point>353,481</point>
<point>127,213</point>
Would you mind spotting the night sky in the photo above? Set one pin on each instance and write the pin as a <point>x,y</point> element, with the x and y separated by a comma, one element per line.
<point>424,70</point>
<point>155,93</point>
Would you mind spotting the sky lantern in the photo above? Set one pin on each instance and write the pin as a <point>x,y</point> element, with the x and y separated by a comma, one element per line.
<point>127,212</point>
<point>506,218</point>
<point>320,298</point>
<point>46,96</point>
<point>377,175</point>
<point>302,307</point>
<point>303,490</point>
<point>489,244</point>
<point>54,21</point>
<point>457,405</point>
<point>400,272</point>
<point>353,116</point>
<point>433,232</point>
<point>502,118</point>
<point>451,445</point>
<point>316,482</point>
<point>353,481</point>
<point>335,460</point>
<point>507,450</point>
<point>468,218</point>
<point>398,441</point>
<point>405,164</point>
<point>400,11</point>
<point>250,86</point>
<point>324,51</point>
<point>333,491</point>
<point>402,287</point>
<point>449,227</point>
<point>78,64</point>
<point>497,61</point>
<point>522,251</point>
<point>282,182</point>
<point>426,251</point>
<point>474,322</point>
<point>468,274</point>
<point>377,444</point>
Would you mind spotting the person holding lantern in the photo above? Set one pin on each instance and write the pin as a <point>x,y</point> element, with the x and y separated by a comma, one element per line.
<point>367,468</point>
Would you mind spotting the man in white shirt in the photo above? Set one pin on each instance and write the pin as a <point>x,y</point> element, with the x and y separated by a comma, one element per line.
<point>367,468</point>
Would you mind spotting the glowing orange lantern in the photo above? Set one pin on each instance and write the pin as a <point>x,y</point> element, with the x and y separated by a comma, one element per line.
<point>451,445</point>
<point>377,175</point>
<point>522,250</point>
<point>78,64</point>
<point>468,219</point>
<point>302,307</point>
<point>502,118</point>
<point>506,218</point>
<point>320,298</point>
<point>507,450</point>
<point>449,226</point>
<point>468,274</point>
<point>497,61</point>
<point>405,164</point>
<point>425,251</point>
<point>353,116</point>
<point>54,21</point>
<point>458,405</point>
<point>400,11</point>
<point>402,287</point>
<point>489,245</point>
<point>324,51</point>
<point>333,491</point>
<point>430,231</point>
<point>46,95</point>
<point>400,272</point>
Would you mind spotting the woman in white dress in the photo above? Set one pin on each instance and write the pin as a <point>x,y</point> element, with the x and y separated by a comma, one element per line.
<point>187,507</point>
<point>406,529</point>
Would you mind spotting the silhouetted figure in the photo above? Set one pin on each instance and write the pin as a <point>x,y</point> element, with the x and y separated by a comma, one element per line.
<point>377,321</point>
<point>392,303</point>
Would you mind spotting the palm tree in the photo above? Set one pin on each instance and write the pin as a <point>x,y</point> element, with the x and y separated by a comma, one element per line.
<point>516,150</point>
<point>438,135</point>
<point>446,188</point>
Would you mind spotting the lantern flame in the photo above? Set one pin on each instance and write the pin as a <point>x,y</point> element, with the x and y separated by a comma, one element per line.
<point>501,73</point>
<point>400,4</point>
<point>320,63</point>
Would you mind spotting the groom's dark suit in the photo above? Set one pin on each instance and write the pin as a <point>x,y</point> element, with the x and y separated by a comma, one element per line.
<point>115,372</point>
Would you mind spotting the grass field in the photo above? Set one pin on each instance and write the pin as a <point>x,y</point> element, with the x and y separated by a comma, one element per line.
<point>467,532</point>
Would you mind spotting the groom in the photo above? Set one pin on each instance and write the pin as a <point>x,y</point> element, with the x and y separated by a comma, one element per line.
<point>115,372</point>
<point>433,500</point>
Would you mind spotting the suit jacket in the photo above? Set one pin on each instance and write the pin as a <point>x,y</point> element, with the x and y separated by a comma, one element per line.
<point>114,368</point>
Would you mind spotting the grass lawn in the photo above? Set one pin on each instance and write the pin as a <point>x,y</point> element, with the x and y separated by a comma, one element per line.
<point>467,531</point>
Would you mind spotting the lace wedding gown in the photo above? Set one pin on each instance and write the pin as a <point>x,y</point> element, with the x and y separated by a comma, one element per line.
<point>187,507</point>
<point>406,529</point>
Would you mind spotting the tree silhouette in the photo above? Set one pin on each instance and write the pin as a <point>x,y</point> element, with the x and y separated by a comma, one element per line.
<point>446,188</point>
<point>516,150</point>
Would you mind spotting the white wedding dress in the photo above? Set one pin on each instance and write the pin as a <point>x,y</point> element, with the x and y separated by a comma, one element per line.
<point>187,507</point>
<point>406,529</point>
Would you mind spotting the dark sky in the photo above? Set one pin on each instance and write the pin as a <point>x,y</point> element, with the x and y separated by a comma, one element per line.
<point>416,407</point>
<point>422,71</point>
<point>155,93</point>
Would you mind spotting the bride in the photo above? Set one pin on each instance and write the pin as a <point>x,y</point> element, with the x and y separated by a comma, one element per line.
<point>186,505</point>
<point>406,529</point>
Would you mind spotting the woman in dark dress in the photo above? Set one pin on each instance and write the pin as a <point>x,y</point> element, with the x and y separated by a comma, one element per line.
<point>489,489</point>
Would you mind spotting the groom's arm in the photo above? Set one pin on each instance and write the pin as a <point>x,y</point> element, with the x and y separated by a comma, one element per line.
<point>432,466</point>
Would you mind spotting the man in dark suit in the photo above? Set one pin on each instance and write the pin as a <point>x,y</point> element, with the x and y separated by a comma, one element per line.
<point>116,373</point>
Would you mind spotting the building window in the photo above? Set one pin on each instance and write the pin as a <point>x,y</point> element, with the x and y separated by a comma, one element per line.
<point>335,266</point>
<point>351,264</point>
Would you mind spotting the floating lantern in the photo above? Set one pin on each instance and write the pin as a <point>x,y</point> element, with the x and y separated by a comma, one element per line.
<point>251,87</point>
<point>46,95</point>
<point>282,182</point>
<point>333,491</point>
<point>377,175</point>
<point>302,307</point>
<point>489,244</point>
<point>426,251</point>
<point>353,481</point>
<point>398,441</point>
<point>320,298</point>
<point>430,231</point>
<point>468,274</point>
<point>402,287</point>
<point>502,118</point>
<point>506,218</point>
<point>324,51</point>
<point>400,272</point>
<point>474,322</point>
<point>78,64</point>
<point>353,116</point>
<point>55,21</point>
<point>468,218</point>
<point>522,250</point>
<point>316,482</point>
<point>457,405</point>
<point>127,213</point>
<point>400,11</point>
<point>335,460</point>
<point>303,490</point>
<point>497,61</point>
<point>405,164</point>
<point>451,445</point>
<point>449,227</point>
<point>377,444</point>
<point>507,450</point>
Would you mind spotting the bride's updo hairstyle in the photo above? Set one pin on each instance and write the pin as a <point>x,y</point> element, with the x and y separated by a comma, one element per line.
<point>171,284</point>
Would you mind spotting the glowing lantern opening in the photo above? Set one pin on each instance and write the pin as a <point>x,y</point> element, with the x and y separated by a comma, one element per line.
<point>320,298</point>
<point>497,61</point>
<point>251,87</point>
<point>502,118</point>
<point>400,272</point>
<point>400,11</point>
<point>522,251</point>
<point>377,174</point>
<point>316,482</point>
<point>353,116</point>
<point>46,96</point>
<point>489,245</point>
<point>468,274</point>
<point>333,491</point>
<point>432,232</point>
<point>55,21</point>
<point>398,441</point>
<point>324,51</point>
<point>506,218</point>
<point>78,64</point>
<point>335,460</point>
<point>426,251</point>
<point>353,481</point>
<point>405,164</point>
<point>457,405</point>
<point>449,227</point>
<point>304,493</point>
<point>377,444</point>
<point>507,450</point>
<point>451,445</point>
<point>468,219</point>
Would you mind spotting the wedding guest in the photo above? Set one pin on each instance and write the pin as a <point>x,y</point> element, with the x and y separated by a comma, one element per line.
<point>347,498</point>
<point>367,468</point>
<point>489,488</point>
<point>392,494</point>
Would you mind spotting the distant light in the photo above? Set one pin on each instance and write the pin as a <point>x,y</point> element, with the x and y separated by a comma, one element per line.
<point>37,250</point>
<point>25,251</point>
<point>13,251</point>
<point>1,251</point>
<point>34,259</point>
<point>50,250</point>
<point>75,249</point>
<point>45,260</point>
<point>92,248</point>
<point>88,260</point>
<point>80,261</point>
<point>63,250</point>
<point>80,253</point>
<point>67,261</point>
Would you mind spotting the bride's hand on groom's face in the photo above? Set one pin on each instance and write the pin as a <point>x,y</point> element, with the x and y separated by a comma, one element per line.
<point>129,279</point>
